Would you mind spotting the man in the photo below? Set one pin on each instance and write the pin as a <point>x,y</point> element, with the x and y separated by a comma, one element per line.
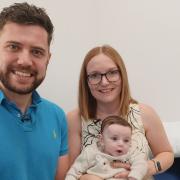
<point>33,131</point>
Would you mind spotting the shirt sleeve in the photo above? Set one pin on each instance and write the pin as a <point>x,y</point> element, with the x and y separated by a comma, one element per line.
<point>138,166</point>
<point>63,135</point>
<point>83,162</point>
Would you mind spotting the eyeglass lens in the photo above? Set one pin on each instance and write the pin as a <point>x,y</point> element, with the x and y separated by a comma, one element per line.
<point>96,78</point>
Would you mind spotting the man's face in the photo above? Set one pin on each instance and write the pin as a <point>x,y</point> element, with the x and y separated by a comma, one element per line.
<point>24,56</point>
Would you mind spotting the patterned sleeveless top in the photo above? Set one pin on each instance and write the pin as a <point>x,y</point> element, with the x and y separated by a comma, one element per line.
<point>91,130</point>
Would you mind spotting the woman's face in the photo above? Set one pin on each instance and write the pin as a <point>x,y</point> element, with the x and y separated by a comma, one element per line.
<point>106,91</point>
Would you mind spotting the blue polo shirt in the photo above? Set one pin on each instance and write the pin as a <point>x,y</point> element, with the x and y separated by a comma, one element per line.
<point>31,144</point>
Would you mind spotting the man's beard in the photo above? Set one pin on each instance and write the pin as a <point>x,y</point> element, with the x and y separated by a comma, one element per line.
<point>6,82</point>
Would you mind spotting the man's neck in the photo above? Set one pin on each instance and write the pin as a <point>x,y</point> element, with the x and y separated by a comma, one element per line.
<point>21,101</point>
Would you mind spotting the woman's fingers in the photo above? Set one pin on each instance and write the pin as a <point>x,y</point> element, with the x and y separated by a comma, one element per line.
<point>118,164</point>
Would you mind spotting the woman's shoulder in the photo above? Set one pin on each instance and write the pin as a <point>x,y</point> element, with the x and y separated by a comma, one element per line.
<point>147,110</point>
<point>73,118</point>
<point>73,114</point>
<point>149,115</point>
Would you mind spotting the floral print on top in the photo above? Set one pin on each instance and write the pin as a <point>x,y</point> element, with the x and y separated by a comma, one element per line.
<point>91,130</point>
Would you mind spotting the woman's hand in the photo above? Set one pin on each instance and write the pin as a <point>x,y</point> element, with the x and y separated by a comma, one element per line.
<point>115,164</point>
<point>118,164</point>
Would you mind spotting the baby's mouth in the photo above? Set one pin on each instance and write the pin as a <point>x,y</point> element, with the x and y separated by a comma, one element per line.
<point>119,151</point>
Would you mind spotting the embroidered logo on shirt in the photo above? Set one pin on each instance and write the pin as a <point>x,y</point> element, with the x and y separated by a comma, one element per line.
<point>54,134</point>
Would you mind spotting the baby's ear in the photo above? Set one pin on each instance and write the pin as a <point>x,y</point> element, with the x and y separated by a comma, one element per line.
<point>100,137</point>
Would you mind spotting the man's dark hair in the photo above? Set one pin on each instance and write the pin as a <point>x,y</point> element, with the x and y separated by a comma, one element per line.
<point>24,13</point>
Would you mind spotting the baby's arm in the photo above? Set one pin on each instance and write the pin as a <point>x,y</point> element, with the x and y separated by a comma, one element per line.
<point>79,167</point>
<point>138,167</point>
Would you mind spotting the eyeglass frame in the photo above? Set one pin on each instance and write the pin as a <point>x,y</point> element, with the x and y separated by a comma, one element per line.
<point>103,74</point>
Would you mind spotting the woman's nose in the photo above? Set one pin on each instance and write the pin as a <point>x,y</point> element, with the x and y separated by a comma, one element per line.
<point>104,80</point>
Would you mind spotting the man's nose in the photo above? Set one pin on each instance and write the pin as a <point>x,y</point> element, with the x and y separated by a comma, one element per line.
<point>24,58</point>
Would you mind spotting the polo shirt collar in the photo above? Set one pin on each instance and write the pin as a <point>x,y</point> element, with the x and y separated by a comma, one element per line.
<point>2,96</point>
<point>36,99</point>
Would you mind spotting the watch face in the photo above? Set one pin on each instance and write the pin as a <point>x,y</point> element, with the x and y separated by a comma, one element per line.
<point>158,166</point>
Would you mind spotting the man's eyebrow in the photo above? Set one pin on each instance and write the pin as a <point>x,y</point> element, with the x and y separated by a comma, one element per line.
<point>38,48</point>
<point>33,47</point>
<point>13,42</point>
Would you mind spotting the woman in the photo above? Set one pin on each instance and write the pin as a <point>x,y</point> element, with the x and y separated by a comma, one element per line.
<point>104,91</point>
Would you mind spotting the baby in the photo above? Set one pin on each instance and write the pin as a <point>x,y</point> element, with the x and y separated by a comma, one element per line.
<point>114,145</point>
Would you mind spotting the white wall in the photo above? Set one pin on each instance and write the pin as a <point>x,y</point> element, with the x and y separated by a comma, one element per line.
<point>146,34</point>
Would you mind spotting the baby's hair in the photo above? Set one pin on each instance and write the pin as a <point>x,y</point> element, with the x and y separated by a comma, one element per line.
<point>114,120</point>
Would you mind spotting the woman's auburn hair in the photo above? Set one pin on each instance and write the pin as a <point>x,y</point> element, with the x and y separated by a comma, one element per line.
<point>87,103</point>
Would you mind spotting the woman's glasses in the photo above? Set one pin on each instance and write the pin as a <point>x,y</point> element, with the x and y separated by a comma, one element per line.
<point>96,78</point>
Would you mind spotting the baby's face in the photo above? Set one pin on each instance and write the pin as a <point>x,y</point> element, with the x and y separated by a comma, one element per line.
<point>116,139</point>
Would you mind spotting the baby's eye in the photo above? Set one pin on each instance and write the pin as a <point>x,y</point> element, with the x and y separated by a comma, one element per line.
<point>126,140</point>
<point>114,138</point>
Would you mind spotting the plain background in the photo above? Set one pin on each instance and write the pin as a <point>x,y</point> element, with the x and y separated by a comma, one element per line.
<point>145,33</point>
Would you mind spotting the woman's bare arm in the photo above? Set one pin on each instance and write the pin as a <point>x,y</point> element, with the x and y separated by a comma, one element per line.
<point>157,140</point>
<point>62,167</point>
<point>74,137</point>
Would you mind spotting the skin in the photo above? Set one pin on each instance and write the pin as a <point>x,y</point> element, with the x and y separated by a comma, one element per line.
<point>107,104</point>
<point>116,140</point>
<point>24,56</point>
<point>106,93</point>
